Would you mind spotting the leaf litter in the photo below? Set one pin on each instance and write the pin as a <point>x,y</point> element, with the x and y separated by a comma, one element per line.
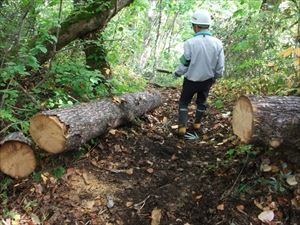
<point>144,174</point>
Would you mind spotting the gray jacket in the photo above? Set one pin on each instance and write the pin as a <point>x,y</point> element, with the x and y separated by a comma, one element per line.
<point>203,58</point>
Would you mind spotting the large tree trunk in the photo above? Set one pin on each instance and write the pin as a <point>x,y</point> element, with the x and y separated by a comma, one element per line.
<point>16,156</point>
<point>84,20</point>
<point>64,129</point>
<point>272,120</point>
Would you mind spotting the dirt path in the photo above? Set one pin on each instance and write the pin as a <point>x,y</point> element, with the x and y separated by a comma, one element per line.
<point>131,171</point>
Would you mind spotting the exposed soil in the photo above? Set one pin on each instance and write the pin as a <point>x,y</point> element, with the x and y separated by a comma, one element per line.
<point>123,176</point>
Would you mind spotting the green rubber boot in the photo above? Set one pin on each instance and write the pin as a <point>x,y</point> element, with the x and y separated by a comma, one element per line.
<point>182,121</point>
<point>198,117</point>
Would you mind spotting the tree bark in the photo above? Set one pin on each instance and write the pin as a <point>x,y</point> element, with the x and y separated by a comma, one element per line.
<point>16,156</point>
<point>84,20</point>
<point>272,120</point>
<point>65,129</point>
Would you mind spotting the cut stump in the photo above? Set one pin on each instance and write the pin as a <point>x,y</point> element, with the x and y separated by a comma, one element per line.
<point>272,120</point>
<point>64,129</point>
<point>17,158</point>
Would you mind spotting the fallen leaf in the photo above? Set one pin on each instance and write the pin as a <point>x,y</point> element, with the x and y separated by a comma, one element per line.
<point>156,216</point>
<point>150,170</point>
<point>226,115</point>
<point>275,169</point>
<point>129,171</point>
<point>129,204</point>
<point>112,131</point>
<point>118,148</point>
<point>240,208</point>
<point>258,205</point>
<point>70,171</point>
<point>273,206</point>
<point>216,126</point>
<point>266,216</point>
<point>295,202</point>
<point>174,127</point>
<point>88,204</point>
<point>205,137</point>
<point>38,188</point>
<point>149,162</point>
<point>265,167</point>
<point>85,178</point>
<point>291,180</point>
<point>198,197</point>
<point>94,163</point>
<point>165,120</point>
<point>44,177</point>
<point>174,157</point>
<point>221,207</point>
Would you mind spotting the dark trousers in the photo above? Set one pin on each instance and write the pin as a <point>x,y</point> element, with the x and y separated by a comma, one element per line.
<point>190,88</point>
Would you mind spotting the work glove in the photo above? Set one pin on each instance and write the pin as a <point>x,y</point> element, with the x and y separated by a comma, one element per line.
<point>175,75</point>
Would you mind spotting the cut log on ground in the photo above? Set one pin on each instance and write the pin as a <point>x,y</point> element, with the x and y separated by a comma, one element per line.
<point>64,129</point>
<point>17,158</point>
<point>272,120</point>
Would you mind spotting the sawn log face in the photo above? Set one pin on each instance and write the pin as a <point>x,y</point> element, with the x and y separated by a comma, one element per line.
<point>275,120</point>
<point>17,158</point>
<point>80,123</point>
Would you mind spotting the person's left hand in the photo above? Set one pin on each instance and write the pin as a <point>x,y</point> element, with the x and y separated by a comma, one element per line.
<point>175,75</point>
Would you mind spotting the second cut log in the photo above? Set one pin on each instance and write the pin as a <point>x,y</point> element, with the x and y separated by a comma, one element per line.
<point>272,120</point>
<point>17,158</point>
<point>64,129</point>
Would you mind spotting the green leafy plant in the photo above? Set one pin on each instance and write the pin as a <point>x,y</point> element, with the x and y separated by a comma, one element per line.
<point>191,136</point>
<point>58,172</point>
<point>239,150</point>
<point>218,104</point>
<point>4,185</point>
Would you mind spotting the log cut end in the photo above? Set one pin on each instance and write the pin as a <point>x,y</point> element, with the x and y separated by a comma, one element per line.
<point>17,159</point>
<point>48,133</point>
<point>242,121</point>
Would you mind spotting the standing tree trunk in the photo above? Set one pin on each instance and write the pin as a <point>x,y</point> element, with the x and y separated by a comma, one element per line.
<point>272,120</point>
<point>16,156</point>
<point>64,129</point>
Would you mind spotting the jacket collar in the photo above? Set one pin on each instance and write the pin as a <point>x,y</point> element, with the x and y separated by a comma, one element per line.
<point>203,32</point>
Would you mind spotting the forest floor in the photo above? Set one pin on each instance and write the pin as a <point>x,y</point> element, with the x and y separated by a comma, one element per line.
<point>144,174</point>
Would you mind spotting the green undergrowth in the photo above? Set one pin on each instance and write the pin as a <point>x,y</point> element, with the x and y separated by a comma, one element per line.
<point>265,85</point>
<point>64,85</point>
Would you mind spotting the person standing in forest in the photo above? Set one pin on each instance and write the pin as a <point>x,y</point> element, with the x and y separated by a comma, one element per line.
<point>201,64</point>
